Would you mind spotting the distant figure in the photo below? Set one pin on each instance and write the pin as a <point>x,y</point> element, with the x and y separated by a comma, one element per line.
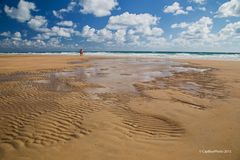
<point>81,52</point>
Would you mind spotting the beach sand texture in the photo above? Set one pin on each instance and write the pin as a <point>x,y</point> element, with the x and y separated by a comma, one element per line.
<point>99,108</point>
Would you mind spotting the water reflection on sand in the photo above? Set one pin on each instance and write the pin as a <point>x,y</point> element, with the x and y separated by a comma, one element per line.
<point>119,75</point>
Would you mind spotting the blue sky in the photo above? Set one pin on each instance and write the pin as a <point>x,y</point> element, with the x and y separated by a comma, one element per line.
<point>163,25</point>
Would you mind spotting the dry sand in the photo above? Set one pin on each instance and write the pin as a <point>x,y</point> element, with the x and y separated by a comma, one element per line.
<point>71,107</point>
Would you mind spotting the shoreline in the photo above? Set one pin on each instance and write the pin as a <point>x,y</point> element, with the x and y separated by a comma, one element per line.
<point>175,56</point>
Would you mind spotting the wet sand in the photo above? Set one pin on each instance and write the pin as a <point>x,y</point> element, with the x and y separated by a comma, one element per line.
<point>71,107</point>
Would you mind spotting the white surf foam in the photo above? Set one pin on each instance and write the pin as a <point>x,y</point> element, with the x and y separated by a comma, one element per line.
<point>225,56</point>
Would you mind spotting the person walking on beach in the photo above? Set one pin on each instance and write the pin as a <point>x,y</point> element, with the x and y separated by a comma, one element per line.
<point>81,52</point>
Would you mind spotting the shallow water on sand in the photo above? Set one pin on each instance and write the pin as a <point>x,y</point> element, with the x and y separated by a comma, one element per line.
<point>119,75</point>
<point>115,75</point>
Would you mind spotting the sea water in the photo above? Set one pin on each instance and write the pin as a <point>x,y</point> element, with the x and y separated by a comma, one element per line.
<point>157,54</point>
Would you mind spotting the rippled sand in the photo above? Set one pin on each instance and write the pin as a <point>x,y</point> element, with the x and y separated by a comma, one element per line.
<point>70,107</point>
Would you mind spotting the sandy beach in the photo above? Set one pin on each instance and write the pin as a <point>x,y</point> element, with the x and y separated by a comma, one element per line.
<point>131,108</point>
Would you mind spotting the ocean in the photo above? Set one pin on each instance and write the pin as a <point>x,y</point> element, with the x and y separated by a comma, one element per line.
<point>157,54</point>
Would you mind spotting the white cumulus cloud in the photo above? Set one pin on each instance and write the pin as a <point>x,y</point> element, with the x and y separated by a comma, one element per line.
<point>198,1</point>
<point>70,7</point>
<point>23,11</point>
<point>62,32</point>
<point>231,30</point>
<point>38,23</point>
<point>120,36</point>
<point>56,31</point>
<point>17,36</point>
<point>176,9</point>
<point>99,8</point>
<point>126,29</point>
<point>96,35</point>
<point>189,8</point>
<point>197,33</point>
<point>202,9</point>
<point>5,34</point>
<point>180,25</point>
<point>65,23</point>
<point>127,19</point>
<point>229,9</point>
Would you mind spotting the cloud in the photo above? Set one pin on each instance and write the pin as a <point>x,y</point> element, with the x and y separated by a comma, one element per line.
<point>60,31</point>
<point>229,9</point>
<point>196,33</point>
<point>70,7</point>
<point>42,36</point>
<point>17,36</point>
<point>230,31</point>
<point>180,25</point>
<point>99,8</point>
<point>199,35</point>
<point>126,29</point>
<point>5,34</point>
<point>49,39</point>
<point>202,26</point>
<point>23,14</point>
<point>202,8</point>
<point>126,20</point>
<point>176,9</point>
<point>29,44</point>
<point>96,35</point>
<point>189,8</point>
<point>120,36</point>
<point>57,14</point>
<point>38,23</point>
<point>23,11</point>
<point>198,1</point>
<point>65,23</point>
<point>56,31</point>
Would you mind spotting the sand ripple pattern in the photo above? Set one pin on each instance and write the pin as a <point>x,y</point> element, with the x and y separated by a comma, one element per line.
<point>144,127</point>
<point>29,115</point>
